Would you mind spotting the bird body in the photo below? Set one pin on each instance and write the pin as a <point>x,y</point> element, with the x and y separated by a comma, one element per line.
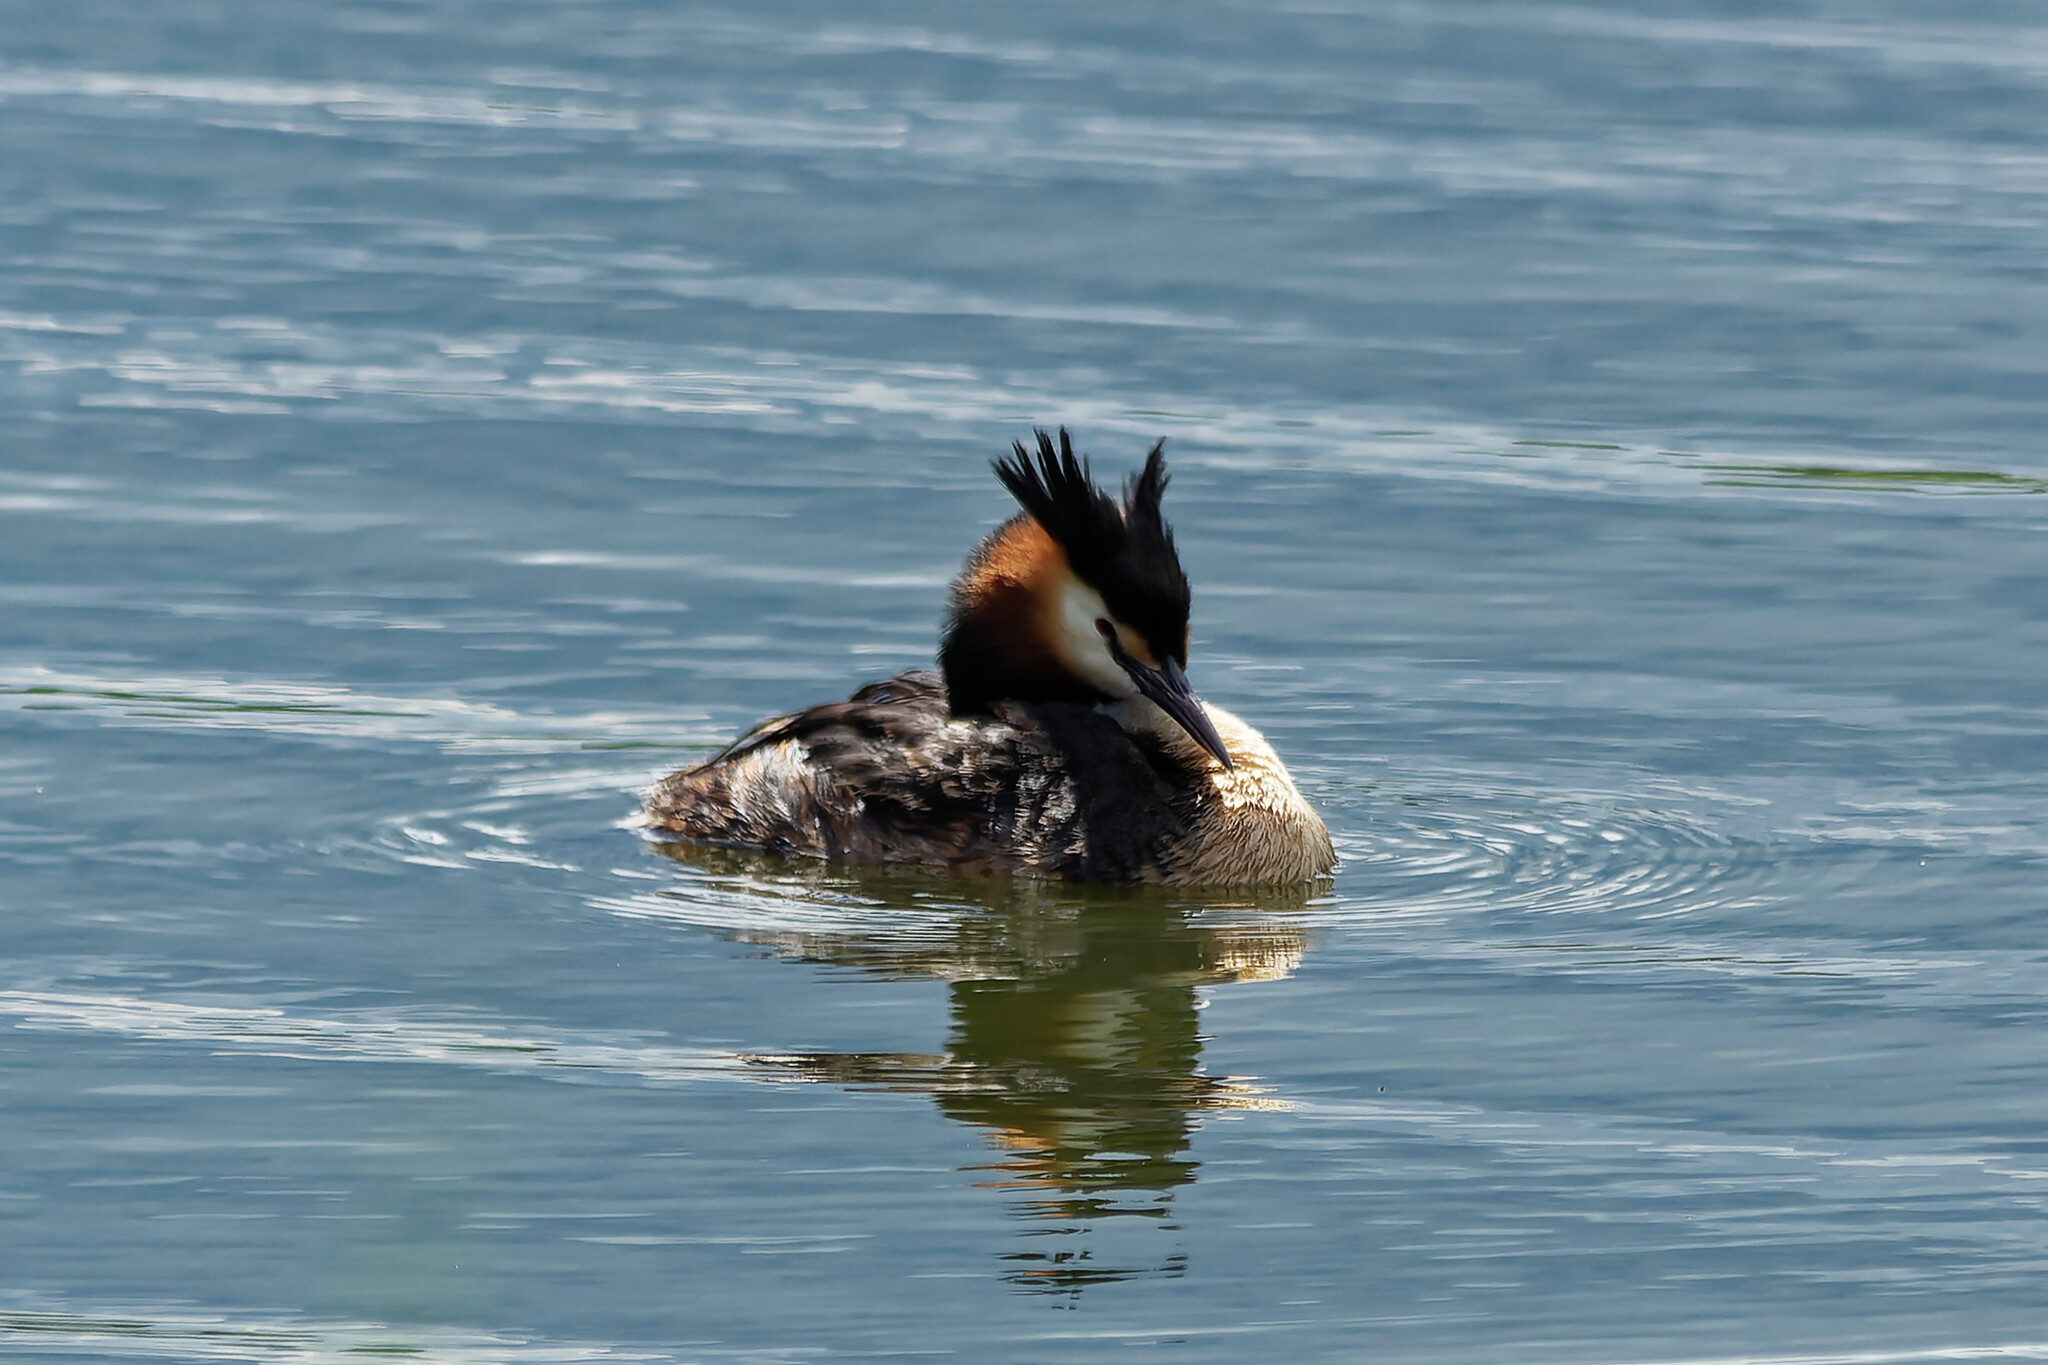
<point>1060,738</point>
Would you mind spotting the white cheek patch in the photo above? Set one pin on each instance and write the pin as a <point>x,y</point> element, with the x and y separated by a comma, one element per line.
<point>1085,649</point>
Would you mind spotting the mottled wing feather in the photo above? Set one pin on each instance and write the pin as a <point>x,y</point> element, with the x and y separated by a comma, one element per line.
<point>889,775</point>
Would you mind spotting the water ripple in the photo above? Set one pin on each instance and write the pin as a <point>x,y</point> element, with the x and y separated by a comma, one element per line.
<point>129,1331</point>
<point>400,1036</point>
<point>1468,844</point>
<point>331,371</point>
<point>325,711</point>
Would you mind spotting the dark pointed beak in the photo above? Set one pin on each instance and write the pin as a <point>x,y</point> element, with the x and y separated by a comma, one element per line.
<point>1168,689</point>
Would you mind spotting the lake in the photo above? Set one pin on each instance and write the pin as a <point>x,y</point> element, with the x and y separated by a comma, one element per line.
<point>1606,451</point>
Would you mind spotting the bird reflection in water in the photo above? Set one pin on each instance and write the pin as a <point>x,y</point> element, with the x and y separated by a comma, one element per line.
<point>1074,1046</point>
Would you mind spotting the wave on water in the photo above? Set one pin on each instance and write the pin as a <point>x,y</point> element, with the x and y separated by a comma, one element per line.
<point>42,1326</point>
<point>326,711</point>
<point>388,1036</point>
<point>326,369</point>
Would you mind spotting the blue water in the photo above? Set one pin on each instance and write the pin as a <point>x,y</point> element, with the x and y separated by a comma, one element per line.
<point>1606,448</point>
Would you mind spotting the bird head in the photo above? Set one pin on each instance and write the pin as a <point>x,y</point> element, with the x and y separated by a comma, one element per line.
<point>1081,598</point>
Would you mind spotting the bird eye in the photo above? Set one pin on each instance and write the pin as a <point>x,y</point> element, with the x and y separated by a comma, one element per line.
<point>1105,629</point>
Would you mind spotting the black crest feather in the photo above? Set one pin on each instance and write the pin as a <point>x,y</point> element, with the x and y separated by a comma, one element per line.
<point>1060,494</point>
<point>1126,552</point>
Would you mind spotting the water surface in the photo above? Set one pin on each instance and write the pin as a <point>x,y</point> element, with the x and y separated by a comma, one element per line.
<point>1605,448</point>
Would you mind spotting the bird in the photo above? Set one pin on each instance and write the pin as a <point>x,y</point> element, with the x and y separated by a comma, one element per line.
<point>1059,738</point>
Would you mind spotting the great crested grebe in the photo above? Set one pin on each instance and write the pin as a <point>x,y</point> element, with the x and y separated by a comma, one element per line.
<point>1060,737</point>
